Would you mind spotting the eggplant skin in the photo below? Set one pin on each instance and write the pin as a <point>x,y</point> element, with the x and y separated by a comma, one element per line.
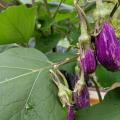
<point>88,62</point>
<point>108,48</point>
<point>70,115</point>
<point>82,100</point>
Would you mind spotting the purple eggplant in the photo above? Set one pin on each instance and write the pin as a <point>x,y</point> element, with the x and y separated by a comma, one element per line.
<point>82,100</point>
<point>108,48</point>
<point>70,114</point>
<point>88,61</point>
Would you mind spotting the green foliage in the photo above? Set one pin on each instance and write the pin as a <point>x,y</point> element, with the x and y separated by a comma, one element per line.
<point>26,91</point>
<point>17,24</point>
<point>107,78</point>
<point>46,43</point>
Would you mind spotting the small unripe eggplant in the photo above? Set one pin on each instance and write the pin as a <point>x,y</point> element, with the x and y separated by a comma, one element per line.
<point>70,114</point>
<point>88,61</point>
<point>82,100</point>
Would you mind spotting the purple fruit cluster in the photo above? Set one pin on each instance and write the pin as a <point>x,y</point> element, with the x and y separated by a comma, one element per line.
<point>107,52</point>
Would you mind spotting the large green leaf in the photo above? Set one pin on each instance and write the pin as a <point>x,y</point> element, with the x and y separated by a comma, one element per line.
<point>107,78</point>
<point>17,24</point>
<point>108,110</point>
<point>6,47</point>
<point>26,92</point>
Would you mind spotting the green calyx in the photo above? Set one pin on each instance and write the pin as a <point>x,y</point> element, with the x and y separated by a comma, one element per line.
<point>80,84</point>
<point>65,95</point>
<point>84,38</point>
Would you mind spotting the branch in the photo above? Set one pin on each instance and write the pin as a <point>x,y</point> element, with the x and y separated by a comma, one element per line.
<point>67,60</point>
<point>47,8</point>
<point>115,8</point>
<point>58,8</point>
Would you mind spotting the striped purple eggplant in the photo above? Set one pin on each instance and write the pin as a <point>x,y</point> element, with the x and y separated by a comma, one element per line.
<point>70,114</point>
<point>108,48</point>
<point>88,61</point>
<point>82,100</point>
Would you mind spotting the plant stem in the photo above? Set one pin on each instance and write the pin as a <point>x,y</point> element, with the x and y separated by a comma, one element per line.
<point>47,8</point>
<point>55,77</point>
<point>97,89</point>
<point>81,14</point>
<point>64,79</point>
<point>58,8</point>
<point>115,8</point>
<point>67,60</point>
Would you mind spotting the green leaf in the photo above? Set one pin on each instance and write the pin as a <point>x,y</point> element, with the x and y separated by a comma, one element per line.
<point>17,24</point>
<point>59,57</point>
<point>26,92</point>
<point>63,16</point>
<point>74,36</point>
<point>46,43</point>
<point>6,47</point>
<point>107,78</point>
<point>109,109</point>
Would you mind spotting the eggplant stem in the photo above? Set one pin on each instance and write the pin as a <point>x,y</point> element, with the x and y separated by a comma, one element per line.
<point>97,89</point>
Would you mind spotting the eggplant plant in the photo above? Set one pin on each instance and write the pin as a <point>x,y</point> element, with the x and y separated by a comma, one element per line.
<point>52,52</point>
